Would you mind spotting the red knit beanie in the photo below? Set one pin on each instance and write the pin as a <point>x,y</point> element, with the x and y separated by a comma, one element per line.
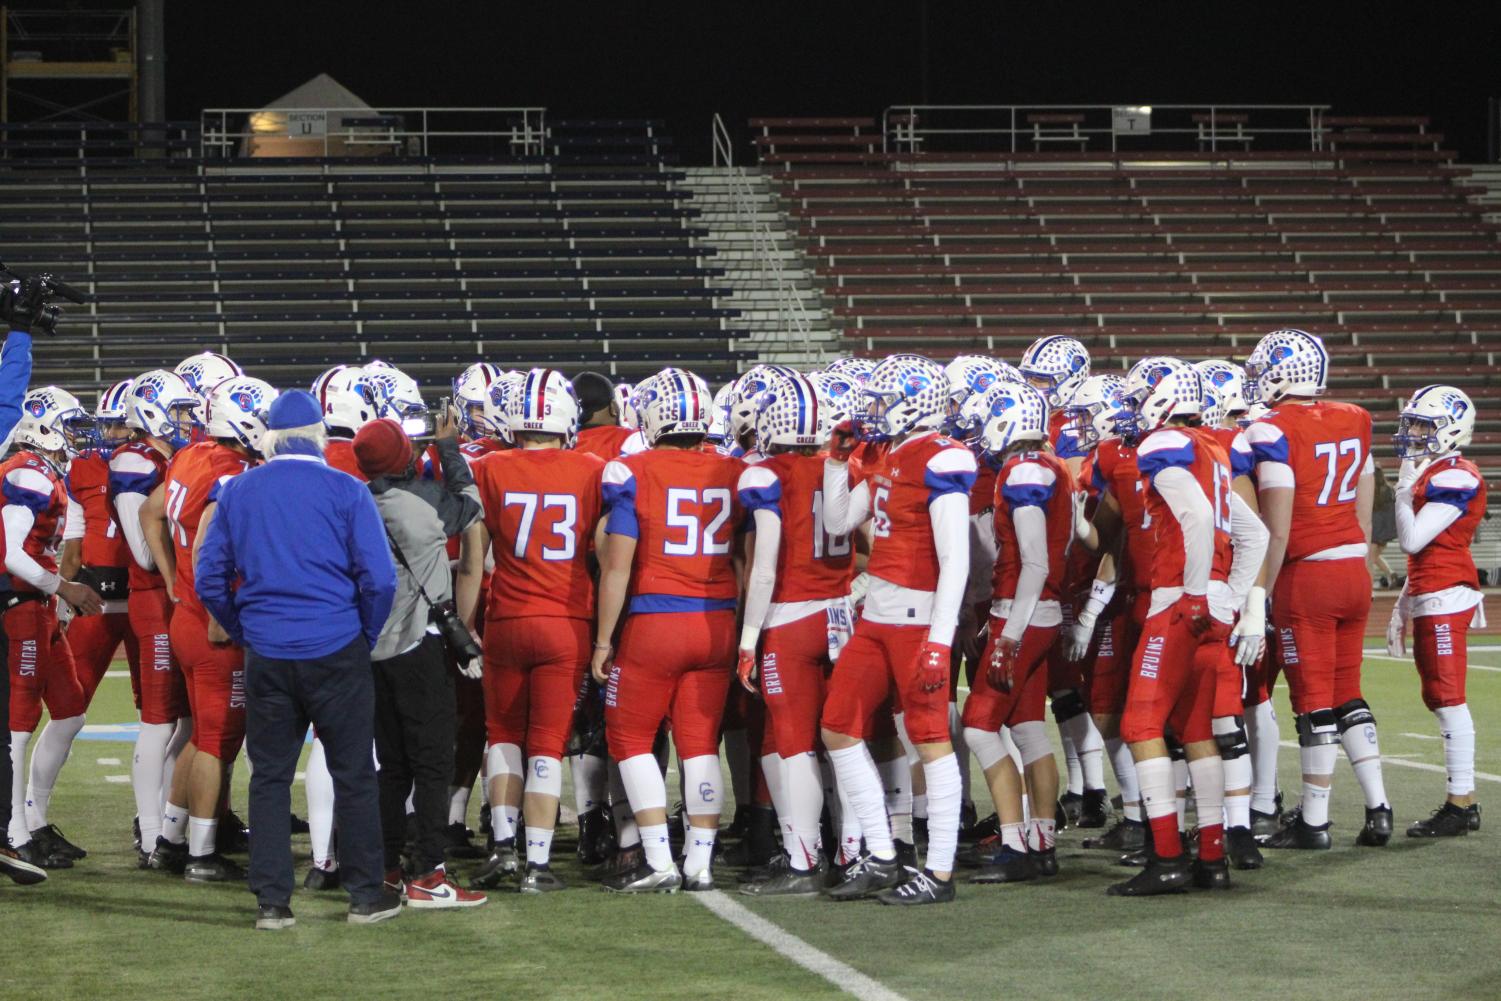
<point>381,448</point>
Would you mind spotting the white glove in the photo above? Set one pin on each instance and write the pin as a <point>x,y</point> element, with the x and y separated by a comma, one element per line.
<point>1396,635</point>
<point>473,668</point>
<point>1076,643</point>
<point>1249,634</point>
<point>1082,524</point>
<point>65,613</point>
<point>1408,474</point>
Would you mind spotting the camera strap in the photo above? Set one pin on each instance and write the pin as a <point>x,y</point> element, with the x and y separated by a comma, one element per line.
<point>401,558</point>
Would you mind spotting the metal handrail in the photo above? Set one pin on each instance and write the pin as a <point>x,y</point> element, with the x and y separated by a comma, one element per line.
<point>528,136</point>
<point>723,150</point>
<point>902,125</point>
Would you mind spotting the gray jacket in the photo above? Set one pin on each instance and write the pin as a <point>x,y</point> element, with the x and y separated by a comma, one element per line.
<point>420,514</point>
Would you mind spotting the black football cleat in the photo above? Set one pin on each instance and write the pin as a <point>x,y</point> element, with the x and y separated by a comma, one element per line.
<point>837,871</point>
<point>1299,835</point>
<point>539,879</point>
<point>1125,836</point>
<point>788,882</point>
<point>1448,821</point>
<point>677,825</point>
<point>1135,858</point>
<point>502,864</point>
<point>1378,827</point>
<point>1067,810</point>
<point>1095,810</point>
<point>53,843</point>
<point>232,837</point>
<point>33,854</point>
<point>866,878</point>
<point>591,823</point>
<point>967,817</point>
<point>1240,846</point>
<point>1046,861</point>
<point>167,857</point>
<point>1264,825</point>
<point>1009,866</point>
<point>1211,875</point>
<point>906,855</point>
<point>921,887</point>
<point>981,853</point>
<point>623,860</point>
<point>457,844</point>
<point>761,844</point>
<point>980,830</point>
<point>1473,813</point>
<point>644,879</point>
<point>1159,876</point>
<point>21,872</point>
<point>320,880</point>
<point>215,868</point>
<point>135,832</point>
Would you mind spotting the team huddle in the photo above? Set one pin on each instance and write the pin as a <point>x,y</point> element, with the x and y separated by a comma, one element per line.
<point>802,572</point>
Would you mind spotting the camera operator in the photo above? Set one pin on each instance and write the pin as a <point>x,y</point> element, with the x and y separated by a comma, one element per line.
<point>414,691</point>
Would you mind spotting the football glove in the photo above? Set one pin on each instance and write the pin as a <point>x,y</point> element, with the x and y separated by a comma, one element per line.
<point>933,666</point>
<point>473,668</point>
<point>745,667</point>
<point>842,441</point>
<point>1249,635</point>
<point>1408,474</point>
<point>1082,524</point>
<point>1194,610</point>
<point>1001,671</point>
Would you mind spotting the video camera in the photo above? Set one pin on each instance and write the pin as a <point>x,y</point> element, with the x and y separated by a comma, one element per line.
<point>24,300</point>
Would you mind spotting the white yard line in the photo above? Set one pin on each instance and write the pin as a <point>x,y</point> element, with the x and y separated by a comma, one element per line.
<point>1378,655</point>
<point>117,779</point>
<point>790,947</point>
<point>1420,736</point>
<point>109,761</point>
<point>1387,759</point>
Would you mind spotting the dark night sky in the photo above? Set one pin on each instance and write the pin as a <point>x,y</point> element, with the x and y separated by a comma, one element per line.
<point>682,62</point>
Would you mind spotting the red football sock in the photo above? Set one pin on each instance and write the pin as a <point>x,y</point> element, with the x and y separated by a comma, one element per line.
<point>1165,840</point>
<point>1211,842</point>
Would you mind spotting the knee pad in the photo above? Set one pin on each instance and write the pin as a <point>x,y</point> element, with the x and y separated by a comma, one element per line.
<point>701,781</point>
<point>1353,713</point>
<point>503,759</point>
<point>1230,737</point>
<point>1067,705</point>
<point>1031,739</point>
<point>1316,728</point>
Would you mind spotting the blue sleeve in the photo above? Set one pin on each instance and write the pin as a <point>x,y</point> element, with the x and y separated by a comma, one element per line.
<point>1068,446</point>
<point>1270,451</point>
<point>768,498</point>
<point>1097,478</point>
<point>21,497</point>
<point>15,376</point>
<point>371,565</point>
<point>1243,463</point>
<point>939,484</point>
<point>214,572</point>
<point>620,501</point>
<point>1152,463</point>
<point>1459,497</point>
<point>132,483</point>
<point>1027,494</point>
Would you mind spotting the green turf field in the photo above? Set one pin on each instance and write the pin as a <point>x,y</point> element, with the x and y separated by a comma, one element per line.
<point>1412,920</point>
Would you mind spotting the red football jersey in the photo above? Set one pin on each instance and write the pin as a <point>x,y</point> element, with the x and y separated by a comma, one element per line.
<point>982,494</point>
<point>193,479</point>
<point>1195,450</point>
<point>1041,480</point>
<point>812,565</point>
<point>136,468</point>
<point>902,485</point>
<point>605,441</point>
<point>340,455</point>
<point>1327,447</point>
<point>1115,470</point>
<point>684,511</point>
<point>30,481</point>
<point>88,483</point>
<point>541,506</point>
<point>1237,449</point>
<point>1446,562</point>
<point>866,457</point>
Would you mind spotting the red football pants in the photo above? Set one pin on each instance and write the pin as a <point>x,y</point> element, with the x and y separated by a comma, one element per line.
<point>94,640</point>
<point>988,708</point>
<point>1441,651</point>
<point>214,679</point>
<point>1113,659</point>
<point>41,667</point>
<point>675,666</point>
<point>794,679</point>
<point>877,668</point>
<point>1168,689</point>
<point>1320,608</point>
<point>1218,660</point>
<point>534,668</point>
<point>164,695</point>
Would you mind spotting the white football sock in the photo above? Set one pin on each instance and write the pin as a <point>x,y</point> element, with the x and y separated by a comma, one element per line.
<point>182,734</point>
<point>771,769</point>
<point>47,759</point>
<point>203,832</point>
<point>1180,789</point>
<point>1262,735</point>
<point>1364,753</point>
<point>896,785</point>
<point>1090,747</point>
<point>146,768</point>
<point>654,841</point>
<point>318,784</point>
<point>1071,757</point>
<point>1014,836</point>
<point>961,750</point>
<point>804,791</point>
<point>18,833</point>
<point>1124,767</point>
<point>175,823</point>
<point>698,850</point>
<point>1158,795</point>
<point>458,803</point>
<point>589,780</point>
<point>1209,789</point>
<point>1042,833</point>
<point>1458,731</point>
<point>538,845</point>
<point>627,834</point>
<point>942,779</point>
<point>864,797</point>
<point>502,761</point>
<point>850,833</point>
<point>1318,761</point>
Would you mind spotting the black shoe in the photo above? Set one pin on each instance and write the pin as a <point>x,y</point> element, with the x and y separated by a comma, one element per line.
<point>1125,836</point>
<point>1159,876</point>
<point>1264,825</point>
<point>906,855</point>
<point>591,823</point>
<point>143,859</point>
<point>215,868</point>
<point>382,908</point>
<point>1241,848</point>
<point>1095,810</point>
<point>761,843</point>
<point>644,879</point>
<point>789,882</point>
<point>921,887</point>
<point>53,843</point>
<point>1300,836</point>
<point>623,860</point>
<point>167,857</point>
<point>20,871</point>
<point>233,837</point>
<point>837,871</point>
<point>1009,866</point>
<point>980,830</point>
<point>980,854</point>
<point>502,864</point>
<point>1211,875</point>
<point>457,844</point>
<point>677,826</point>
<point>1378,827</point>
<point>1136,858</point>
<point>299,826</point>
<point>967,817</point>
<point>739,824</point>
<point>1473,813</point>
<point>761,873</point>
<point>1448,821</point>
<point>1067,811</point>
<point>867,877</point>
<point>319,879</point>
<point>33,854</point>
<point>272,918</point>
<point>1046,861</point>
<point>135,832</point>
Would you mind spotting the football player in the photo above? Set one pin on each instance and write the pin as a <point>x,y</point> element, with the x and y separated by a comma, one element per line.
<point>542,507</point>
<point>601,431</point>
<point>1440,501</point>
<point>1034,524</point>
<point>202,372</point>
<point>917,497</point>
<point>348,399</point>
<point>214,671</point>
<point>797,610</point>
<point>41,664</point>
<point>1315,481</point>
<point>159,410</point>
<point>669,564</point>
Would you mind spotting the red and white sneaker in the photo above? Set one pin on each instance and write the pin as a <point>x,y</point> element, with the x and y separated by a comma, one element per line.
<point>436,890</point>
<point>396,882</point>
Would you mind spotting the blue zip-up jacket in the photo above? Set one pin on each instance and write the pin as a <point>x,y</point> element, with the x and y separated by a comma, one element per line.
<point>309,550</point>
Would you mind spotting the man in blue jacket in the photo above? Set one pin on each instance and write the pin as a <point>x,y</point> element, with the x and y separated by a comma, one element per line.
<point>295,567</point>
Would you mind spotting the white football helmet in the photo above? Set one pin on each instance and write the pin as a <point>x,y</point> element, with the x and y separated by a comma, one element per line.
<point>202,372</point>
<point>1057,366</point>
<point>544,403</point>
<point>347,397</point>
<point>498,401</point>
<point>1160,388</point>
<point>109,415</point>
<point>1094,411</point>
<point>968,376</point>
<point>238,409</point>
<point>1015,413</point>
<point>1436,421</point>
<point>1288,363</point>
<point>857,370</point>
<point>398,397</point>
<point>719,416</point>
<point>674,401</point>
<point>905,393</point>
<point>470,391</point>
<point>1224,391</point>
<point>53,420</point>
<point>838,396</point>
<point>625,395</point>
<point>790,415</point>
<point>161,405</point>
<point>743,400</point>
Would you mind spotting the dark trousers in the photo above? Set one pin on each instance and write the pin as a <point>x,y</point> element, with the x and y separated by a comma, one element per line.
<point>334,693</point>
<point>414,734</point>
<point>6,775</point>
